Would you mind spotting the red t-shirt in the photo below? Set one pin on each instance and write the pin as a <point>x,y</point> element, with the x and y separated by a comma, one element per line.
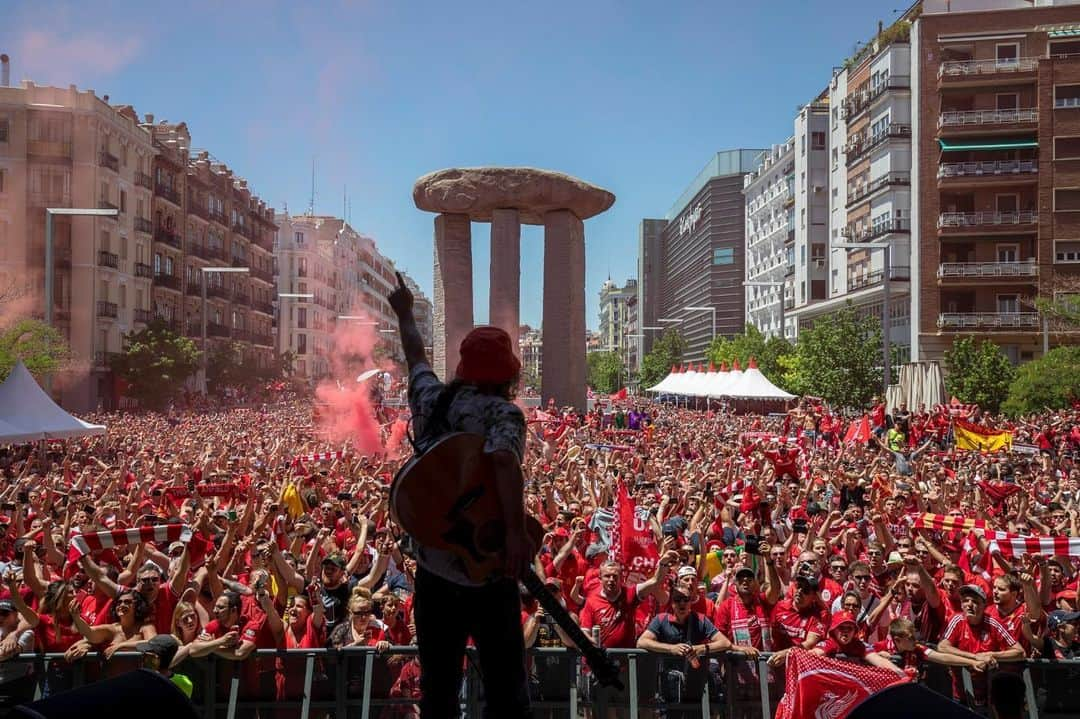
<point>53,636</point>
<point>791,627</point>
<point>573,567</point>
<point>1013,622</point>
<point>831,647</point>
<point>989,636</point>
<point>743,624</point>
<point>163,609</point>
<point>615,619</point>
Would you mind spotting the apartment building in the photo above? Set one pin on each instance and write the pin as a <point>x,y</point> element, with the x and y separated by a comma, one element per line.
<point>66,148</point>
<point>770,238</point>
<point>531,349</point>
<point>997,171</point>
<point>204,217</point>
<point>618,316</point>
<point>350,280</point>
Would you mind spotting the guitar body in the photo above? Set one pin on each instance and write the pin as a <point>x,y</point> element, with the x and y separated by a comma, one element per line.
<point>447,499</point>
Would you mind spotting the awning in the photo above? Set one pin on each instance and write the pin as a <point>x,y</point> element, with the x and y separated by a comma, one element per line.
<point>1063,31</point>
<point>948,146</point>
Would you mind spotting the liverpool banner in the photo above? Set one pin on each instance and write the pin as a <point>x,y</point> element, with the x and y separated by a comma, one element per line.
<point>632,538</point>
<point>821,688</point>
<point>980,439</point>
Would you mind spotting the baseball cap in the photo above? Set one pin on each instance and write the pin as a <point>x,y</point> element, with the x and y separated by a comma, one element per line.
<point>840,619</point>
<point>336,559</point>
<point>686,571</point>
<point>973,590</point>
<point>164,646</point>
<point>1059,616</point>
<point>744,571</point>
<point>895,558</point>
<point>6,605</point>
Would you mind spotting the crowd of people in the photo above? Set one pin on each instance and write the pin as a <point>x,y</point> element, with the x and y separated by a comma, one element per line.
<point>190,533</point>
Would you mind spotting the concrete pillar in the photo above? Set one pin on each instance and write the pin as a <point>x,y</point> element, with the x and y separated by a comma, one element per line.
<point>504,300</point>
<point>564,310</point>
<point>453,290</point>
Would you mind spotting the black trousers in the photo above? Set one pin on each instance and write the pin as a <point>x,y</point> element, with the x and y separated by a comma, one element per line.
<point>446,615</point>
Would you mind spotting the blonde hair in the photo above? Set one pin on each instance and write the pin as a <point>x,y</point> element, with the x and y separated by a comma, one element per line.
<point>183,608</point>
<point>357,600</point>
<point>359,591</point>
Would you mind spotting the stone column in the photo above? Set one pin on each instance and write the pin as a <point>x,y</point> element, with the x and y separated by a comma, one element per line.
<point>504,300</point>
<point>564,310</point>
<point>453,290</point>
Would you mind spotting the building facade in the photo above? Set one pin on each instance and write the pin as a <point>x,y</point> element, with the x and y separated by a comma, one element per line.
<point>650,276</point>
<point>702,248</point>
<point>531,349</point>
<point>997,171</point>
<point>65,148</point>
<point>770,237</point>
<point>618,316</point>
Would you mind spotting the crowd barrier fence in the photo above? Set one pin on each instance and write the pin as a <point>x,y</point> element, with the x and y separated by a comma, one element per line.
<point>356,682</point>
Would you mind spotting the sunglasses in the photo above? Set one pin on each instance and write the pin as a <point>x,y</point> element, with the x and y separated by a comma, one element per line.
<point>149,580</point>
<point>680,600</point>
<point>124,602</point>
<point>861,577</point>
<point>838,567</point>
<point>361,614</point>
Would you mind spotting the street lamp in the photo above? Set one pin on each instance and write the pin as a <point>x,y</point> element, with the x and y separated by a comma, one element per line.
<point>886,276</point>
<point>70,212</point>
<point>711,310</point>
<point>781,285</point>
<point>212,270</point>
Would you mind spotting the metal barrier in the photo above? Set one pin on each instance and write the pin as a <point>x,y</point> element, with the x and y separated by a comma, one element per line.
<point>357,682</point>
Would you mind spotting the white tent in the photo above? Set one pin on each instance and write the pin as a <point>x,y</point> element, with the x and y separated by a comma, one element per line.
<point>716,385</point>
<point>754,385</point>
<point>664,384</point>
<point>27,413</point>
<point>685,383</point>
<point>702,383</point>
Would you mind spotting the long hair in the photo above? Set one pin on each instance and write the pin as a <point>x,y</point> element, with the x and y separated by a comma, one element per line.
<point>53,592</point>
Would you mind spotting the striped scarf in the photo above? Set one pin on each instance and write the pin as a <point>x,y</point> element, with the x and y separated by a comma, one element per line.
<point>277,532</point>
<point>739,485</point>
<point>1015,546</point>
<point>83,544</point>
<point>944,523</point>
<point>318,457</point>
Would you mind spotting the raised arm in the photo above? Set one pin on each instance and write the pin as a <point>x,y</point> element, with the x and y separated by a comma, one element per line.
<point>412,342</point>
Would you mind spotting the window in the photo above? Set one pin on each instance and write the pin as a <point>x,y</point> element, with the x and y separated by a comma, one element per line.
<point>723,256</point>
<point>2,175</point>
<point>123,296</point>
<point>1066,148</point>
<point>817,140</point>
<point>1067,251</point>
<point>1008,53</point>
<point>1007,203</point>
<point>301,344</point>
<point>1008,253</point>
<point>123,200</point>
<point>1008,304</point>
<point>105,240</point>
<point>168,265</point>
<point>1064,48</point>
<point>301,317</point>
<point>1067,200</point>
<point>298,238</point>
<point>3,129</point>
<point>1066,95</point>
<point>157,263</point>
<point>1008,101</point>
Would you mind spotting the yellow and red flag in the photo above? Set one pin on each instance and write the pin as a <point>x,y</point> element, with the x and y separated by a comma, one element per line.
<point>981,439</point>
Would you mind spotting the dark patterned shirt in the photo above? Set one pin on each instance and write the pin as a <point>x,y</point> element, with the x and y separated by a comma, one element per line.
<point>502,423</point>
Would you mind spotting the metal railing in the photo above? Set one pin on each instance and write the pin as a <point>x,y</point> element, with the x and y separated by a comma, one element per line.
<point>166,191</point>
<point>988,320</point>
<point>144,180</point>
<point>856,102</point>
<point>143,316</point>
<point>105,159</point>
<point>1027,268</point>
<point>979,219</point>
<point>107,309</point>
<point>896,273</point>
<point>967,68</point>
<point>357,682</point>
<point>261,339</point>
<point>213,329</point>
<point>170,238</point>
<point>143,224</point>
<point>260,274</point>
<point>108,259</point>
<point>170,281</point>
<point>865,142</point>
<point>872,232</point>
<point>988,168</point>
<point>962,118</point>
<point>860,192</point>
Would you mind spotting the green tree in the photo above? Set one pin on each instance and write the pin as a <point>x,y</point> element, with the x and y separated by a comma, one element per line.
<point>838,359</point>
<point>978,373</point>
<point>41,348</point>
<point>751,343</point>
<point>226,368</point>
<point>1050,382</point>
<point>666,351</point>
<point>155,363</point>
<point>604,371</point>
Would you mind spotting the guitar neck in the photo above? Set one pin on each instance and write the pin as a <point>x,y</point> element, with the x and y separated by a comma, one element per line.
<point>594,655</point>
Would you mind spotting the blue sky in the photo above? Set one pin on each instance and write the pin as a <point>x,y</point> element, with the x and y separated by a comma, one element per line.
<point>632,96</point>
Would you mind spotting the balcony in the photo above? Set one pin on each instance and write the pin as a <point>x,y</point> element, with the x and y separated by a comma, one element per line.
<point>900,273</point>
<point>106,309</point>
<point>144,270</point>
<point>1009,170</point>
<point>987,270</point>
<point>108,259</point>
<point>873,232</point>
<point>958,222</point>
<point>49,148</point>
<point>49,199</point>
<point>144,180</point>
<point>103,360</point>
<point>142,316</point>
<point>171,324</point>
<point>217,216</point>
<point>198,208</point>
<point>241,298</point>
<point>855,103</point>
<point>213,329</point>
<point>261,275</point>
<point>960,73</point>
<point>866,190</point>
<point>860,145</point>
<point>168,237</point>
<point>987,120</point>
<point>988,320</point>
<point>218,291</point>
<point>262,340</point>
<point>108,160</point>
<point>264,307</point>
<point>171,282</point>
<point>106,205</point>
<point>144,225</point>
<point>241,335</point>
<point>194,289</point>
<point>167,192</point>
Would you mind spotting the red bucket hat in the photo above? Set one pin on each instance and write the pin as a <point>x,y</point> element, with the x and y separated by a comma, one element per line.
<point>487,357</point>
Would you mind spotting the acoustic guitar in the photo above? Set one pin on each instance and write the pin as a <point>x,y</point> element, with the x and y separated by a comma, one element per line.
<point>446,498</point>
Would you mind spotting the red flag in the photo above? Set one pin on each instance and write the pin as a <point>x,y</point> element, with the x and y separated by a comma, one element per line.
<point>620,395</point>
<point>633,541</point>
<point>858,431</point>
<point>820,687</point>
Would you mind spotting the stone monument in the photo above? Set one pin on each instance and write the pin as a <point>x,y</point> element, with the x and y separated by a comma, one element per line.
<point>507,197</point>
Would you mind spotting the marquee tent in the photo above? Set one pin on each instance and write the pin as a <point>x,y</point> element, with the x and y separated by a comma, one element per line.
<point>28,414</point>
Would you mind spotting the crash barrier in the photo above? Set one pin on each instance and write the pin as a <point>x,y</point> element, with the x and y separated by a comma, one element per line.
<point>359,682</point>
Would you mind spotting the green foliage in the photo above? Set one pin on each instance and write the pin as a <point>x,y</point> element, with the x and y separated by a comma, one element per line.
<point>667,351</point>
<point>1050,382</point>
<point>980,374</point>
<point>752,343</point>
<point>838,359</point>
<point>1065,308</point>
<point>604,371</point>
<point>225,368</point>
<point>155,363</point>
<point>41,348</point>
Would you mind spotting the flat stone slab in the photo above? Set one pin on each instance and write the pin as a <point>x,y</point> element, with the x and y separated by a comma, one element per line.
<point>477,191</point>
